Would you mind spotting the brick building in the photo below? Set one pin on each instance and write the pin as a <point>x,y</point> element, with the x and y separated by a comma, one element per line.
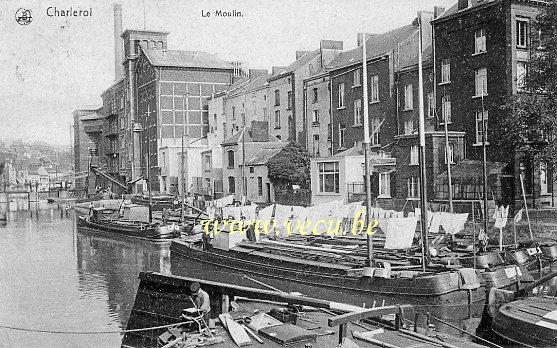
<point>317,113</point>
<point>88,141</point>
<point>241,148</point>
<point>481,50</point>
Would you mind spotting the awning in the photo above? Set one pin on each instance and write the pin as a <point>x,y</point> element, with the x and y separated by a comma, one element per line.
<point>472,170</point>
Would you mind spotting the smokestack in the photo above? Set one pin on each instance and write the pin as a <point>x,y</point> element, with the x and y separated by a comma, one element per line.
<point>118,44</point>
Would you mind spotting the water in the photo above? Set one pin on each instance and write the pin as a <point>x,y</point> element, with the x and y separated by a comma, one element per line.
<point>55,278</point>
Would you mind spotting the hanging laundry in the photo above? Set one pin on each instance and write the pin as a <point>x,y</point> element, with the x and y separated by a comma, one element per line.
<point>518,216</point>
<point>435,221</point>
<point>500,216</point>
<point>453,223</point>
<point>266,213</point>
<point>400,232</point>
<point>248,211</point>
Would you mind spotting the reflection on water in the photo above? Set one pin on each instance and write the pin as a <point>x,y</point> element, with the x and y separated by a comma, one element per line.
<point>54,278</point>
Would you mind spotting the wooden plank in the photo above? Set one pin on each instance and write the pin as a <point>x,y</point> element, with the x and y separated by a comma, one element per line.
<point>364,314</point>
<point>236,331</point>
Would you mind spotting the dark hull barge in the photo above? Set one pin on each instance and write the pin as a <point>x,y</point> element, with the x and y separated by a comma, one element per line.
<point>264,318</point>
<point>132,229</point>
<point>461,290</point>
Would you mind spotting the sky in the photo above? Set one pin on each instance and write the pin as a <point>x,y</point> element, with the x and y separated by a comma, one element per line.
<point>55,65</point>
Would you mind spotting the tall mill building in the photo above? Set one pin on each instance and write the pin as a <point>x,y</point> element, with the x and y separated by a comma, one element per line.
<point>159,96</point>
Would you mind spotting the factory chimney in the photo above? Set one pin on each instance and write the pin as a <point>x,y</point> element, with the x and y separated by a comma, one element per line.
<point>118,44</point>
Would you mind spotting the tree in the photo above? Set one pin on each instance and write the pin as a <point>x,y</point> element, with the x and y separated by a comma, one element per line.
<point>531,125</point>
<point>290,167</point>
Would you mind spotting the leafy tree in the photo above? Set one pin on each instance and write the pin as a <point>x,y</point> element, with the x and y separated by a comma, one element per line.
<point>531,124</point>
<point>290,167</point>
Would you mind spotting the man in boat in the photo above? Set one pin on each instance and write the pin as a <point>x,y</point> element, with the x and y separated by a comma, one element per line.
<point>201,303</point>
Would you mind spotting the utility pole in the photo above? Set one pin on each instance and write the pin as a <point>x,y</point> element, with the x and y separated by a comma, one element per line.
<point>484,162</point>
<point>183,184</point>
<point>367,150</point>
<point>421,131</point>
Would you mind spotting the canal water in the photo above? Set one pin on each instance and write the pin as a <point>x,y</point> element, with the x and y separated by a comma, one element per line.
<point>53,278</point>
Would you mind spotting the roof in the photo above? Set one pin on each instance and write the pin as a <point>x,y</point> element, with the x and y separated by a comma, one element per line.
<point>473,170</point>
<point>184,59</point>
<point>91,117</point>
<point>236,138</point>
<point>376,46</point>
<point>303,60</point>
<point>263,156</point>
<point>251,85</point>
<point>453,10</point>
<point>376,158</point>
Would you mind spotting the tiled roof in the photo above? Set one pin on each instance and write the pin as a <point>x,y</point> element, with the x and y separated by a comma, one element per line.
<point>236,138</point>
<point>264,155</point>
<point>472,4</point>
<point>185,59</point>
<point>376,46</point>
<point>250,86</point>
<point>308,56</point>
<point>472,170</point>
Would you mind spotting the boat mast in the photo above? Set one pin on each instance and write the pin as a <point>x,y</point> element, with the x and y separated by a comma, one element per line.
<point>244,188</point>
<point>484,162</point>
<point>367,149</point>
<point>421,131</point>
<point>149,176</point>
<point>183,184</point>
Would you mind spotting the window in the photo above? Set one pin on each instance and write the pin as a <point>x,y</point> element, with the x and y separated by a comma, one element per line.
<point>445,71</point>
<point>341,95</point>
<point>329,132</point>
<point>430,105</point>
<point>316,145</point>
<point>521,33</point>
<point>328,177</point>
<point>414,155</point>
<point>357,79</point>
<point>375,131</point>
<point>446,108</point>
<point>265,114</point>
<point>521,75</point>
<point>215,121</point>
<point>385,185</point>
<point>230,158</point>
<point>315,116</point>
<point>341,134</point>
<point>357,112</point>
<point>451,154</point>
<point>315,95</point>
<point>409,126</point>
<point>277,97</point>
<point>479,128</point>
<point>289,95</point>
<point>480,41</point>
<point>375,88</point>
<point>259,186</point>
<point>252,170</point>
<point>207,163</point>
<point>311,69</point>
<point>481,82</point>
<point>233,112</point>
<point>408,98</point>
<point>231,184</point>
<point>277,119</point>
<point>412,184</point>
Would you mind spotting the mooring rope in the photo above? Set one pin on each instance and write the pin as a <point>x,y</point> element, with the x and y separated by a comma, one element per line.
<point>93,332</point>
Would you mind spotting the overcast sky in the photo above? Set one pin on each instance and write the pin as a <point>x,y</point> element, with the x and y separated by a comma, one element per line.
<point>57,64</point>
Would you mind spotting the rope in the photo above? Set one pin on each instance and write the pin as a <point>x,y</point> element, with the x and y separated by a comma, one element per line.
<point>92,332</point>
<point>466,332</point>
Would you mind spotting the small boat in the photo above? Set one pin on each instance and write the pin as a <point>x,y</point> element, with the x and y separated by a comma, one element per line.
<point>520,318</point>
<point>531,321</point>
<point>241,316</point>
<point>107,221</point>
<point>159,202</point>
